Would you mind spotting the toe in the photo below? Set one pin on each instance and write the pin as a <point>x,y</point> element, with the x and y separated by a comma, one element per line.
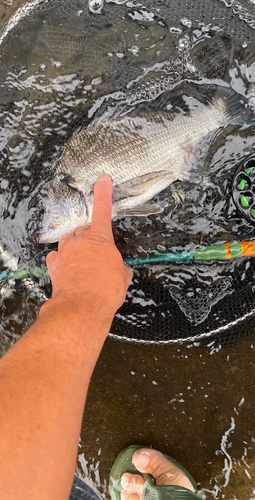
<point>132,483</point>
<point>163,471</point>
<point>125,495</point>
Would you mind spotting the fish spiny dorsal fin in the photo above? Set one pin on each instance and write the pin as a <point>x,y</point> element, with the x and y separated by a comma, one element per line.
<point>168,101</point>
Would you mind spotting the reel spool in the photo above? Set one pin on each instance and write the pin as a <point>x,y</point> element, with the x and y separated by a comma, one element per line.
<point>243,189</point>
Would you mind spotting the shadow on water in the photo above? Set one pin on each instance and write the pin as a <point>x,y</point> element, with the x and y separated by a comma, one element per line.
<point>191,402</point>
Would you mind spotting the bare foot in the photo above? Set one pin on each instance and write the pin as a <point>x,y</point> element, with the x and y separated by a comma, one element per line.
<point>155,464</point>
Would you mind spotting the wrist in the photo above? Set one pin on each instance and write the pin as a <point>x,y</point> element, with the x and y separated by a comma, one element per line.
<point>81,313</point>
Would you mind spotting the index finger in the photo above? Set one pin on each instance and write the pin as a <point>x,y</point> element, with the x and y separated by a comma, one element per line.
<point>102,208</point>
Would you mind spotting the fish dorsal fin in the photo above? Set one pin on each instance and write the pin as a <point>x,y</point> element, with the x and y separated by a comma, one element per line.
<point>107,116</point>
<point>168,102</point>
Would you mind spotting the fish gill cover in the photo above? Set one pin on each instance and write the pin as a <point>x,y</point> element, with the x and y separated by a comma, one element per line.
<point>62,66</point>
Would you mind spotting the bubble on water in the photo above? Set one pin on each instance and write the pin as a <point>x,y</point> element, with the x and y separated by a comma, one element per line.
<point>134,50</point>
<point>119,2</point>
<point>186,22</point>
<point>96,6</point>
<point>177,31</point>
<point>56,63</point>
<point>183,42</point>
<point>6,291</point>
<point>228,3</point>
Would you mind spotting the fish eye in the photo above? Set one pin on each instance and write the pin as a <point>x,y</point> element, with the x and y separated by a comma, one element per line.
<point>65,177</point>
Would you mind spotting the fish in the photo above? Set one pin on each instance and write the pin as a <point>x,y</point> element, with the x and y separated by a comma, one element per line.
<point>143,148</point>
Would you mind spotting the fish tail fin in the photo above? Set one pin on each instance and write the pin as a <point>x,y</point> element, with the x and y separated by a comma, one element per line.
<point>246,119</point>
<point>233,107</point>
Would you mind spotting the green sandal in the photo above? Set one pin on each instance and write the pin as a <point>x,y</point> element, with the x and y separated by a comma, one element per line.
<point>123,463</point>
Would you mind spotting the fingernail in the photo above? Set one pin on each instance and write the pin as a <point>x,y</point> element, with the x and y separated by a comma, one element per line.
<point>143,459</point>
<point>124,480</point>
<point>104,177</point>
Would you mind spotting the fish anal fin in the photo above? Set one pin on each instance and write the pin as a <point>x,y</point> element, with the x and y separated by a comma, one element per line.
<point>142,210</point>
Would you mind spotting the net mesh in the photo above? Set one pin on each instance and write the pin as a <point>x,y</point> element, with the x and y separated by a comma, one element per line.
<point>60,63</point>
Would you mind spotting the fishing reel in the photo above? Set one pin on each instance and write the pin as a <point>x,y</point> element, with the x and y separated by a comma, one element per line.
<point>243,189</point>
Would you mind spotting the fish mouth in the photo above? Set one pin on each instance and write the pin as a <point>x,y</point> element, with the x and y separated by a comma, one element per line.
<point>50,232</point>
<point>46,231</point>
<point>42,234</point>
<point>39,233</point>
<point>61,215</point>
<point>46,234</point>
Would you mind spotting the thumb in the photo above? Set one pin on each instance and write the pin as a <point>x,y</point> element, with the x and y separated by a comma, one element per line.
<point>50,259</point>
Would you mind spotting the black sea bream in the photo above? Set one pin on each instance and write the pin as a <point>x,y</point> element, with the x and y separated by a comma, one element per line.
<point>143,149</point>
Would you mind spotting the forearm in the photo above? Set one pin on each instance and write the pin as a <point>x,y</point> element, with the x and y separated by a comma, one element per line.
<point>43,385</point>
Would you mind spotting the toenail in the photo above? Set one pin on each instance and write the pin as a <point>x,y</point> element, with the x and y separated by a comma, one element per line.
<point>143,459</point>
<point>125,481</point>
<point>125,494</point>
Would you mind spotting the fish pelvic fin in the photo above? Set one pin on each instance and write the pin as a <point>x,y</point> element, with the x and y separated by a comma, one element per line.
<point>233,107</point>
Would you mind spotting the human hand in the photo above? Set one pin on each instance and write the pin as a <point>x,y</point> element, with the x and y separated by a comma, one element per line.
<point>88,262</point>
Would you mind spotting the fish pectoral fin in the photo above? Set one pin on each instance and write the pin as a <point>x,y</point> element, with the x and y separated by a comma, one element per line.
<point>75,184</point>
<point>137,186</point>
<point>142,210</point>
<point>65,177</point>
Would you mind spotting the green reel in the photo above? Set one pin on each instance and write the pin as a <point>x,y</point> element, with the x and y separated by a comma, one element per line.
<point>243,189</point>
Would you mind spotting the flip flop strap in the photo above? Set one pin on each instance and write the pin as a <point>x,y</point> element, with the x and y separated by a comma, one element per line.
<point>153,492</point>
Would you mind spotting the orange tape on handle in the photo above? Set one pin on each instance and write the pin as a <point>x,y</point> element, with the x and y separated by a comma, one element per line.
<point>248,248</point>
<point>228,251</point>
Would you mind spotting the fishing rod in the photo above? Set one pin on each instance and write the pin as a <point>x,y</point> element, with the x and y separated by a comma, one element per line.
<point>23,273</point>
<point>223,251</point>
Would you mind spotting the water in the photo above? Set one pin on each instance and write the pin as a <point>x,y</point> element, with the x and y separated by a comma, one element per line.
<point>151,393</point>
<point>193,404</point>
<point>69,71</point>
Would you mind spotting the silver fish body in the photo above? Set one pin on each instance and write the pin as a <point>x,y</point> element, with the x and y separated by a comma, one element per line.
<point>142,150</point>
